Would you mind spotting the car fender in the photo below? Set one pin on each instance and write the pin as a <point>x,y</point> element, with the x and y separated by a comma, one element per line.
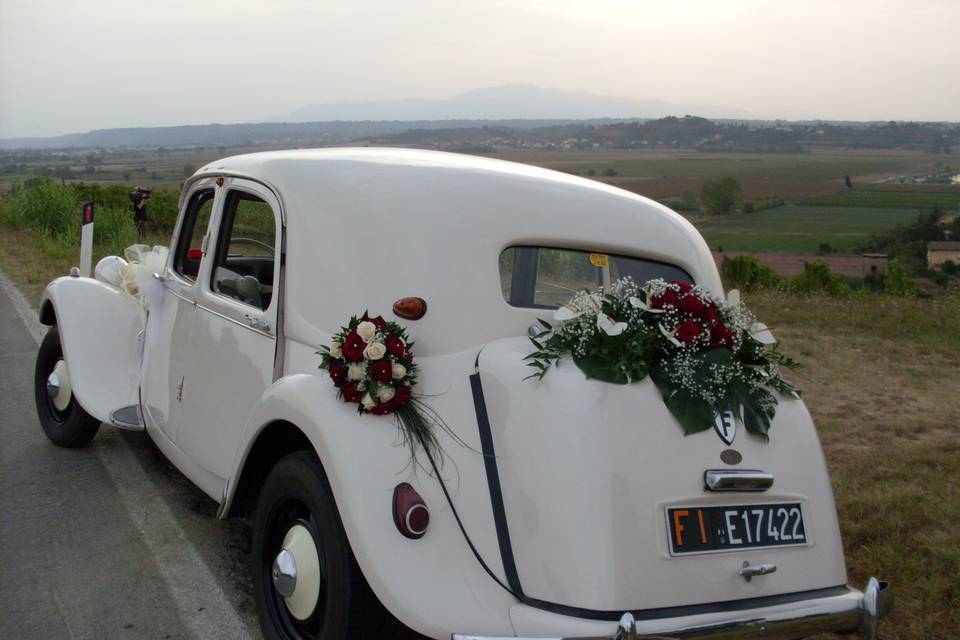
<point>99,329</point>
<point>434,585</point>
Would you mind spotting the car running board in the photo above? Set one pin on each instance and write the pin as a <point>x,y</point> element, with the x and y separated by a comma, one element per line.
<point>129,418</point>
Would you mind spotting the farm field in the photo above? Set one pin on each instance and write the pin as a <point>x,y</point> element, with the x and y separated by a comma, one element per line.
<point>946,200</point>
<point>799,229</point>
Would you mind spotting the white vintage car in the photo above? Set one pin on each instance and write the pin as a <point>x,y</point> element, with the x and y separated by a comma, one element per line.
<point>563,508</point>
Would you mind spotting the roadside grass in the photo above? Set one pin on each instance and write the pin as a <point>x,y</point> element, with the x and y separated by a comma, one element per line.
<point>948,201</point>
<point>882,380</point>
<point>799,229</point>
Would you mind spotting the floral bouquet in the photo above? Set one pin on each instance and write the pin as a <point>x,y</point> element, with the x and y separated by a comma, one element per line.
<point>371,363</point>
<point>703,355</point>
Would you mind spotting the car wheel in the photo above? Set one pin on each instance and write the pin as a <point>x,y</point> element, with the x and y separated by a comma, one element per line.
<point>306,581</point>
<point>61,416</point>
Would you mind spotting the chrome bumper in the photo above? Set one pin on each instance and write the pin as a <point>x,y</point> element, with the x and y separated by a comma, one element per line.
<point>852,611</point>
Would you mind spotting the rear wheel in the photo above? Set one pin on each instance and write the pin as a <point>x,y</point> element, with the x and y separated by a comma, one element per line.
<point>61,416</point>
<point>306,581</point>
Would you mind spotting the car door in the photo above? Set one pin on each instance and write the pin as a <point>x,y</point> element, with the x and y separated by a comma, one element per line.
<point>167,339</point>
<point>233,341</point>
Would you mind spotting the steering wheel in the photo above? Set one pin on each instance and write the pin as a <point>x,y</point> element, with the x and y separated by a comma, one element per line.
<point>252,242</point>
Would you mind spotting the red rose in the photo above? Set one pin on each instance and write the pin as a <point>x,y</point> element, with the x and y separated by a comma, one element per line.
<point>721,336</point>
<point>687,331</point>
<point>382,408</point>
<point>382,370</point>
<point>338,372</point>
<point>691,304</point>
<point>350,392</point>
<point>353,346</point>
<point>394,346</point>
<point>668,298</point>
<point>683,286</point>
<point>401,395</point>
<point>379,322</point>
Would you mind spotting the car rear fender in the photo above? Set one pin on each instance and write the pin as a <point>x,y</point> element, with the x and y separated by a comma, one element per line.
<point>99,329</point>
<point>364,458</point>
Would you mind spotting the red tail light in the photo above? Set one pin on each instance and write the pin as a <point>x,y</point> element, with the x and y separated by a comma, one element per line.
<point>195,254</point>
<point>410,512</point>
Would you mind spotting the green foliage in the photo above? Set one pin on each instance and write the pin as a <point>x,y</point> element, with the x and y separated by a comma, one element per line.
<point>908,242</point>
<point>817,278</point>
<point>951,268</point>
<point>188,170</point>
<point>895,281</point>
<point>824,249</point>
<point>721,196</point>
<point>610,172</point>
<point>746,273</point>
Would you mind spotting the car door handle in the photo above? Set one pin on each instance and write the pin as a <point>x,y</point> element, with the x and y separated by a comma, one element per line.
<point>739,480</point>
<point>747,571</point>
<point>256,323</point>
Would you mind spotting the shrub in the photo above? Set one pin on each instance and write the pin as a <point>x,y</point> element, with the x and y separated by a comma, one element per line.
<point>721,196</point>
<point>950,267</point>
<point>818,278</point>
<point>746,272</point>
<point>610,172</point>
<point>748,207</point>
<point>896,282</point>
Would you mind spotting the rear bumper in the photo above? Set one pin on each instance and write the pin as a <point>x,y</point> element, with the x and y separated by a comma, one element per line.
<point>848,612</point>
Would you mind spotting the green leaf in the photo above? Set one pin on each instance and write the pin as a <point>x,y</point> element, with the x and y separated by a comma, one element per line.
<point>693,414</point>
<point>598,368</point>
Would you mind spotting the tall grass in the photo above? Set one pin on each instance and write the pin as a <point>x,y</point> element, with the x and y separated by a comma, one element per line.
<point>52,212</point>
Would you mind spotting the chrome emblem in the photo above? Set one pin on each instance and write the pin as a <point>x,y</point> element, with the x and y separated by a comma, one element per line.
<point>725,424</point>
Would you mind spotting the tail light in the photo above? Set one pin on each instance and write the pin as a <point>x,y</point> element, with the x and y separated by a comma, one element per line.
<point>410,512</point>
<point>195,254</point>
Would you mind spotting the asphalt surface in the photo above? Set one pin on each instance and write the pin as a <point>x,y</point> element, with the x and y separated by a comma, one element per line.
<point>106,541</point>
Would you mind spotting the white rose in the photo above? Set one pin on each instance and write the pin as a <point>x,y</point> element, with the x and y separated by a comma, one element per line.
<point>399,371</point>
<point>385,393</point>
<point>374,351</point>
<point>366,330</point>
<point>367,402</point>
<point>336,349</point>
<point>357,371</point>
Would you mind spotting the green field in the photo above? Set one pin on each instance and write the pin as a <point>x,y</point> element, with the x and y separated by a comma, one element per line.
<point>948,201</point>
<point>808,166</point>
<point>800,229</point>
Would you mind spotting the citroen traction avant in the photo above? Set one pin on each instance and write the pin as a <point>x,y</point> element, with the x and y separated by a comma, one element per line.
<point>561,508</point>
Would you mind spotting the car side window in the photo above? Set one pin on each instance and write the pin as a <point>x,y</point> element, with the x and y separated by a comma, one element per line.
<point>186,260</point>
<point>245,252</point>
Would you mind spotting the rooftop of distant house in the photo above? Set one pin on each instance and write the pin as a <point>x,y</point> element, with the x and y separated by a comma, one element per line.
<point>944,245</point>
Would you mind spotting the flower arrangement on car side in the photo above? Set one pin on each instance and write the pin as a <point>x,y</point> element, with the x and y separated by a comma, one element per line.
<point>371,363</point>
<point>703,355</point>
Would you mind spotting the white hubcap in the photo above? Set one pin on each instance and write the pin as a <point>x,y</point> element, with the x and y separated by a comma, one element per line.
<point>296,572</point>
<point>58,386</point>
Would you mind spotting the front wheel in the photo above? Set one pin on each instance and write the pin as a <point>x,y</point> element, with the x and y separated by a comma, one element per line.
<point>306,581</point>
<point>64,421</point>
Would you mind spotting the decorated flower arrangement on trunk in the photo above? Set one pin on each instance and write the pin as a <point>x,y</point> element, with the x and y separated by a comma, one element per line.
<point>705,356</point>
<point>371,363</point>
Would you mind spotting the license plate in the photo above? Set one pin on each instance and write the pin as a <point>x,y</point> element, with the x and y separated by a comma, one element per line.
<point>711,529</point>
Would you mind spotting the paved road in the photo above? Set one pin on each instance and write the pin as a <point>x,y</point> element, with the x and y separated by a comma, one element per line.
<point>108,541</point>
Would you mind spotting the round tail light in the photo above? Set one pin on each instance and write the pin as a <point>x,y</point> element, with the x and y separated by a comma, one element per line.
<point>410,512</point>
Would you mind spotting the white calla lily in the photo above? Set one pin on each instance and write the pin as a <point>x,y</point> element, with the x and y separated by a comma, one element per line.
<point>608,326</point>
<point>733,297</point>
<point>762,334</point>
<point>669,335</point>
<point>637,303</point>
<point>566,313</point>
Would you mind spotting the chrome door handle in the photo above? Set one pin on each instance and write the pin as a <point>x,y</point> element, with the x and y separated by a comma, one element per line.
<point>256,323</point>
<point>747,571</point>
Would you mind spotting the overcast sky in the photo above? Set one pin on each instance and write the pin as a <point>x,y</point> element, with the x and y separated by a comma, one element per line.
<point>90,64</point>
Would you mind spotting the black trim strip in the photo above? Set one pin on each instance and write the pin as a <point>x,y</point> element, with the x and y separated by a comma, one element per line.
<point>510,566</point>
<point>493,483</point>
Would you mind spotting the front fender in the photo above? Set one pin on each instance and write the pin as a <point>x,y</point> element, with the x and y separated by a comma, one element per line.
<point>434,585</point>
<point>99,327</point>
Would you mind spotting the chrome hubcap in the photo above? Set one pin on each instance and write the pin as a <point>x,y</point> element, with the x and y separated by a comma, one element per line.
<point>285,573</point>
<point>58,386</point>
<point>53,385</point>
<point>296,572</point>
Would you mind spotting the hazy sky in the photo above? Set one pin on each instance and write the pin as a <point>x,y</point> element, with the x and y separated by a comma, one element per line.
<point>89,64</point>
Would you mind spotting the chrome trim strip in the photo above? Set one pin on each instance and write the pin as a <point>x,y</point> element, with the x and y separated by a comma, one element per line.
<point>235,321</point>
<point>737,480</point>
<point>851,611</point>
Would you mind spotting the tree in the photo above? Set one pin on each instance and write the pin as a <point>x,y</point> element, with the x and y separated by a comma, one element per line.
<point>721,196</point>
<point>188,170</point>
<point>824,249</point>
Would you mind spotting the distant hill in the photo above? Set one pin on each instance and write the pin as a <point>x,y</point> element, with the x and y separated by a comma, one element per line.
<point>507,102</point>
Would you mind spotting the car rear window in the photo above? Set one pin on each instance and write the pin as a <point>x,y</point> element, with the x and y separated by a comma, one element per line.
<point>546,277</point>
